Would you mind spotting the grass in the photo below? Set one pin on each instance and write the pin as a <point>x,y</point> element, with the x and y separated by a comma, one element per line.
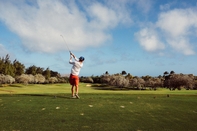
<point>49,107</point>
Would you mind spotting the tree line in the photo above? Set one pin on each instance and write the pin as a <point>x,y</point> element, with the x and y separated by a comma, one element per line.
<point>11,72</point>
<point>15,72</point>
<point>123,80</point>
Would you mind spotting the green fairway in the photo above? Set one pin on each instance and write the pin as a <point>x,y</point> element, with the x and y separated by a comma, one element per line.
<point>50,108</point>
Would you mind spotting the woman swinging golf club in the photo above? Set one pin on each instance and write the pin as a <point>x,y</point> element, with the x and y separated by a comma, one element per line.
<point>74,79</point>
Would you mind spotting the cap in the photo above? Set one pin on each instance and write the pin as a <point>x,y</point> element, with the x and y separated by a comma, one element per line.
<point>81,58</point>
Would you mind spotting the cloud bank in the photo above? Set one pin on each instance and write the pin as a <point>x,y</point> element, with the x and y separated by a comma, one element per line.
<point>40,24</point>
<point>86,23</point>
<point>175,28</point>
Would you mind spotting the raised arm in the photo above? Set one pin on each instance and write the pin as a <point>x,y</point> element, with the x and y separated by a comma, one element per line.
<point>74,56</point>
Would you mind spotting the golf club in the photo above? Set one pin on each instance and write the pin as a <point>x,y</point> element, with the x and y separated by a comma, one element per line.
<point>65,43</point>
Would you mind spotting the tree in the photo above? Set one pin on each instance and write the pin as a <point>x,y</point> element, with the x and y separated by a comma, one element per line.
<point>19,68</point>
<point>87,79</point>
<point>31,70</point>
<point>54,74</point>
<point>156,82</point>
<point>129,76</point>
<point>96,79</point>
<point>124,73</point>
<point>1,66</point>
<point>172,72</point>
<point>105,79</point>
<point>24,78</point>
<point>165,73</point>
<point>6,79</point>
<point>137,82</point>
<point>39,78</point>
<point>147,77</point>
<point>47,73</point>
<point>39,70</point>
<point>9,68</point>
<point>16,69</point>
<point>53,80</point>
<point>6,66</point>
<point>176,81</point>
<point>119,81</point>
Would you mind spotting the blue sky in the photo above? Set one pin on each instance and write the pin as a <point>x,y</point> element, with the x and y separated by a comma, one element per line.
<point>141,37</point>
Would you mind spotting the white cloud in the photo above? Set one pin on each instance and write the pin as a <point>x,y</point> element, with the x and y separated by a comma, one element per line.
<point>100,15</point>
<point>176,28</point>
<point>149,40</point>
<point>182,45</point>
<point>177,22</point>
<point>39,25</point>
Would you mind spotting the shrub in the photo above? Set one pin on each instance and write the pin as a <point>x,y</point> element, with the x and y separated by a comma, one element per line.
<point>24,78</point>
<point>137,82</point>
<point>87,79</point>
<point>6,79</point>
<point>176,81</point>
<point>153,83</point>
<point>39,78</point>
<point>30,79</point>
<point>96,79</point>
<point>63,79</point>
<point>105,79</point>
<point>9,79</point>
<point>53,80</point>
<point>115,80</point>
<point>119,81</point>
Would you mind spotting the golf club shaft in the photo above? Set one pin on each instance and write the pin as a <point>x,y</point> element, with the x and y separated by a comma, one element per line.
<point>65,43</point>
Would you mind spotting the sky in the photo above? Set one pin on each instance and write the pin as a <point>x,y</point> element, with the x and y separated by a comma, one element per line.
<point>141,37</point>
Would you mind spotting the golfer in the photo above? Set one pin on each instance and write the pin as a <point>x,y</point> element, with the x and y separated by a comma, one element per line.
<point>74,79</point>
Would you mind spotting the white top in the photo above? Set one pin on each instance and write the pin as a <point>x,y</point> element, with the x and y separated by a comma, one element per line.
<point>76,66</point>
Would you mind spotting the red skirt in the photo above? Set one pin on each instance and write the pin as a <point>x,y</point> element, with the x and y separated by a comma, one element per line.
<point>74,80</point>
